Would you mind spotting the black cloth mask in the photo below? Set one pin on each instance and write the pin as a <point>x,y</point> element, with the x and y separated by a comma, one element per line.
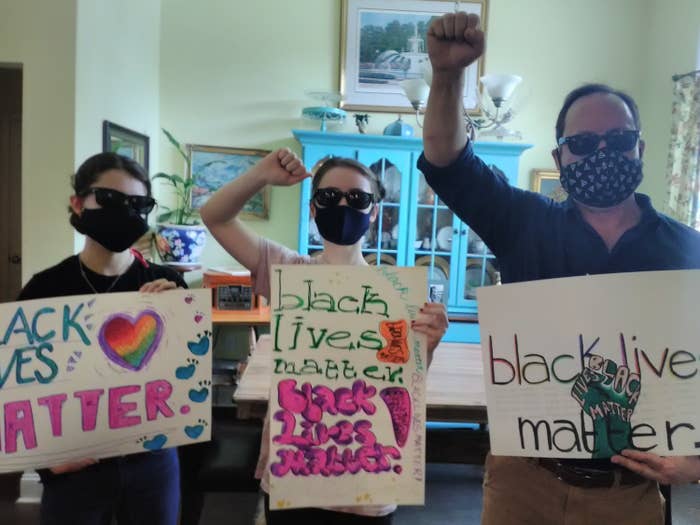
<point>116,228</point>
<point>603,179</point>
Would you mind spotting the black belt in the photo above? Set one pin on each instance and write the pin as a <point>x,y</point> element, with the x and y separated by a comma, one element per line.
<point>590,478</point>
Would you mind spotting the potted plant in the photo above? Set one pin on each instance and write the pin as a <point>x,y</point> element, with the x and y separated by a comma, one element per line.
<point>180,236</point>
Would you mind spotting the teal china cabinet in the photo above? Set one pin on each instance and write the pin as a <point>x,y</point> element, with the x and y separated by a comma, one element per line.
<point>413,226</point>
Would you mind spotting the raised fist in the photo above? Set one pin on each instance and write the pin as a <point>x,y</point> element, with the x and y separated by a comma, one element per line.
<point>454,41</point>
<point>282,168</point>
<point>608,393</point>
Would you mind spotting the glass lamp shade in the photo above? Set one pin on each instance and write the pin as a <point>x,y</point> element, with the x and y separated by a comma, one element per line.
<point>500,87</point>
<point>416,91</point>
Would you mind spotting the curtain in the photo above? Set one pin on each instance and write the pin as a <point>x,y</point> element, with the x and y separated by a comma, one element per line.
<point>683,166</point>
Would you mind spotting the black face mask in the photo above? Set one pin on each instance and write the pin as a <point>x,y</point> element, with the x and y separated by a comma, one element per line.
<point>341,224</point>
<point>116,228</point>
<point>603,179</point>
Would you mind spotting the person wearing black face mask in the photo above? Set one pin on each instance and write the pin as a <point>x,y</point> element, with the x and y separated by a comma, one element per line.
<point>603,227</point>
<point>111,200</point>
<point>344,203</point>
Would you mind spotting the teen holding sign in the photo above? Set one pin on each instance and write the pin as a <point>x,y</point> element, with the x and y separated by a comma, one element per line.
<point>111,202</point>
<point>345,196</point>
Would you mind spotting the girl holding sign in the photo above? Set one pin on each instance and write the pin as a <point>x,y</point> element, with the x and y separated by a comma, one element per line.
<point>111,200</point>
<point>345,196</point>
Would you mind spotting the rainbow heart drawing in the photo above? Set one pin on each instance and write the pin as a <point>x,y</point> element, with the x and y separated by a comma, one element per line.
<point>131,341</point>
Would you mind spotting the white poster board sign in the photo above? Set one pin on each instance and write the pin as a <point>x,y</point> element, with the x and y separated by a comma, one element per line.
<point>584,367</point>
<point>347,404</point>
<point>95,376</point>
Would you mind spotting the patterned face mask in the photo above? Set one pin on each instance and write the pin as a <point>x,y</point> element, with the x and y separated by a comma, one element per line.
<point>603,179</point>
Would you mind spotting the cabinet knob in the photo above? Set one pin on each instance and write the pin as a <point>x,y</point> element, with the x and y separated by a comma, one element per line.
<point>14,259</point>
<point>464,232</point>
<point>455,232</point>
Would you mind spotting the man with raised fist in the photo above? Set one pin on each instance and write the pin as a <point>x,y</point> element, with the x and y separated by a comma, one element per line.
<point>603,227</point>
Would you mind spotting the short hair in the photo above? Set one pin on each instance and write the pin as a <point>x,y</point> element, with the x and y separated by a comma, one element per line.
<point>591,89</point>
<point>343,162</point>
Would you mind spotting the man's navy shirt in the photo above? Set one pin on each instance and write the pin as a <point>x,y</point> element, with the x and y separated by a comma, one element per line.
<point>534,237</point>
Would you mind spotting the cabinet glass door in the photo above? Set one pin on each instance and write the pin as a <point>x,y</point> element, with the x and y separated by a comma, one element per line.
<point>431,240</point>
<point>478,266</point>
<point>385,241</point>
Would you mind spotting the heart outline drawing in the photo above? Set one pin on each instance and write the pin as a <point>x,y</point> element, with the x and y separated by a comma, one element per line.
<point>132,333</point>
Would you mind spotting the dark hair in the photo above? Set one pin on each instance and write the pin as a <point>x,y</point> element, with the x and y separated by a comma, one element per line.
<point>591,89</point>
<point>90,170</point>
<point>344,162</point>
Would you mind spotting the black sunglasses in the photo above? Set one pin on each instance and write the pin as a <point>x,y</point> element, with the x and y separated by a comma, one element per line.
<point>357,199</point>
<point>108,198</point>
<point>621,140</point>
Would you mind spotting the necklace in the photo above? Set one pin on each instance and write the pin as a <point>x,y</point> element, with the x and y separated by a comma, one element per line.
<point>85,277</point>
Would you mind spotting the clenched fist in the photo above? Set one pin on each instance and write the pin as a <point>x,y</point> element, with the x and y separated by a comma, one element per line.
<point>454,41</point>
<point>282,168</point>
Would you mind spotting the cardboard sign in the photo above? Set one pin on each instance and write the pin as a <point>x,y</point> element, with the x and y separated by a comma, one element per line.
<point>585,367</point>
<point>347,405</point>
<point>95,376</point>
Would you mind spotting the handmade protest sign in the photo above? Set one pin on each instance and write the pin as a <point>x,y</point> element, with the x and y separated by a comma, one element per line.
<point>585,367</point>
<point>347,403</point>
<point>95,376</point>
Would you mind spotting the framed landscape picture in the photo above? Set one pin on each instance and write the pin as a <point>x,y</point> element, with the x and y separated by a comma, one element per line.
<point>126,142</point>
<point>211,167</point>
<point>384,42</point>
<point>547,183</point>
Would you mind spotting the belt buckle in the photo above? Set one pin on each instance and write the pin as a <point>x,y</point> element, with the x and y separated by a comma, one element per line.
<point>583,478</point>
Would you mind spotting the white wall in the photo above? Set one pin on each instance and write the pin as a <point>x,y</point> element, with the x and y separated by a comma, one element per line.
<point>117,73</point>
<point>40,35</point>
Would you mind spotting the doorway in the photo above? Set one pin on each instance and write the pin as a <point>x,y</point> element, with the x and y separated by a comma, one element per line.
<point>10,182</point>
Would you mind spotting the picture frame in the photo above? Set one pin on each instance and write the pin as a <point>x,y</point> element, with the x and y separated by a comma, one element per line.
<point>370,68</point>
<point>211,167</point>
<point>126,142</point>
<point>546,182</point>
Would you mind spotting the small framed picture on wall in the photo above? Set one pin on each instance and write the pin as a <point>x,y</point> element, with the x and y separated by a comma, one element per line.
<point>126,142</point>
<point>211,167</point>
<point>547,183</point>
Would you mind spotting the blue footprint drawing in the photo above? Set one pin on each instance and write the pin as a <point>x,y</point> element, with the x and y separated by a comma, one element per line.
<point>157,442</point>
<point>200,347</point>
<point>200,395</point>
<point>188,370</point>
<point>194,431</point>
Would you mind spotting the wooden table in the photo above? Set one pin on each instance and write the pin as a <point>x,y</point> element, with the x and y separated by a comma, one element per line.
<point>455,390</point>
<point>256,317</point>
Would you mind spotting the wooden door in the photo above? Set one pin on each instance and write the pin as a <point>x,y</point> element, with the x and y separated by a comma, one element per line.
<point>10,183</point>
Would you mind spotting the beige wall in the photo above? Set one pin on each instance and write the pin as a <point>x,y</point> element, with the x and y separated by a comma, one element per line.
<point>117,73</point>
<point>234,73</point>
<point>40,35</point>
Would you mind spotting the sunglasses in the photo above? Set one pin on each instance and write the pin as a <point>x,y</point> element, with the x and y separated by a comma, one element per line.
<point>357,199</point>
<point>108,198</point>
<point>621,140</point>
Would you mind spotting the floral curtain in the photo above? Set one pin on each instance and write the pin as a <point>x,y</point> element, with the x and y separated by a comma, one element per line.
<point>683,166</point>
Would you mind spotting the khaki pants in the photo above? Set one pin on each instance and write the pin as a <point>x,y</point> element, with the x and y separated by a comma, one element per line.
<point>519,492</point>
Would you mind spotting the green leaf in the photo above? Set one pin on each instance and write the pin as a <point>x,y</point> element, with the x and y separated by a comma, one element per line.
<point>177,145</point>
<point>164,217</point>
